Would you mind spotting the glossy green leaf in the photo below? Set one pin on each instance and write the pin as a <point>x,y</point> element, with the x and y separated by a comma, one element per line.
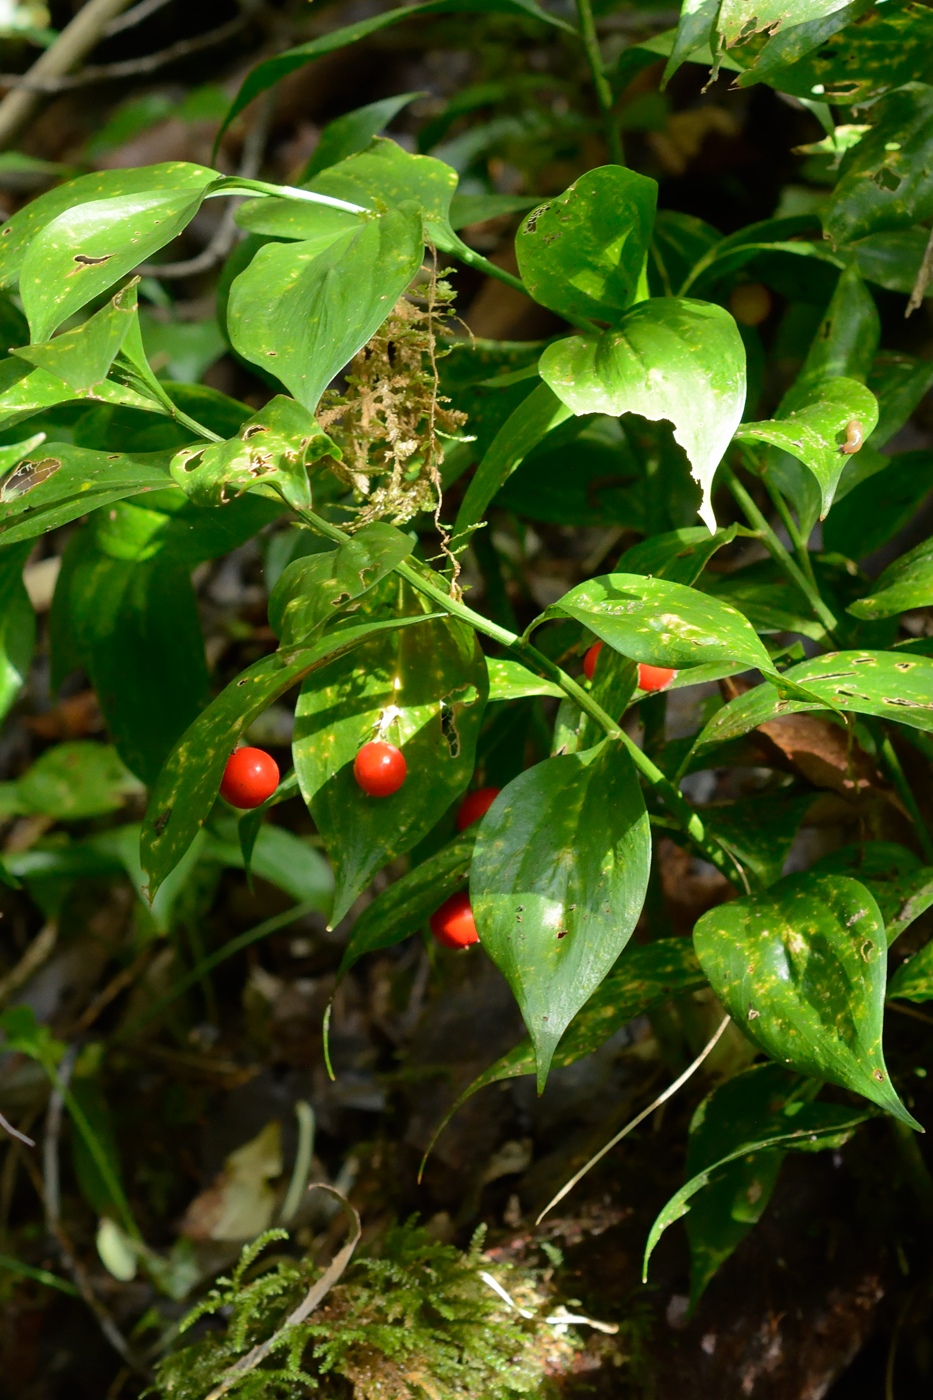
<point>760,830</point>
<point>536,416</point>
<point>408,903</point>
<point>422,689</point>
<point>672,358</point>
<point>70,782</point>
<point>190,780</point>
<point>273,450</point>
<point>315,589</point>
<point>884,181</point>
<point>815,431</point>
<point>20,230</point>
<point>801,969</point>
<point>900,383</point>
<point>272,70</point>
<point>582,253</point>
<point>510,680</point>
<point>678,555</point>
<point>302,314</point>
<point>659,622</point>
<point>352,132</point>
<point>60,482</point>
<point>741,1110</point>
<point>806,1128</point>
<point>770,245</point>
<point>82,357</point>
<point>386,176</point>
<point>913,980</point>
<point>902,887</point>
<point>889,684</point>
<point>876,509</point>
<point>558,881</point>
<point>314,225</point>
<point>89,247</point>
<point>762,593</point>
<point>17,627</point>
<point>892,260</point>
<point>280,857</point>
<point>907,583</point>
<point>645,977</point>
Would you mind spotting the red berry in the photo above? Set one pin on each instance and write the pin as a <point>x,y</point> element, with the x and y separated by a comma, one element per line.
<point>654,677</point>
<point>589,661</point>
<point>475,805</point>
<point>453,924</point>
<point>251,775</point>
<point>380,768</point>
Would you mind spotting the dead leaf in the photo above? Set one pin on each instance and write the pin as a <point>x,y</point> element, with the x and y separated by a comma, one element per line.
<point>239,1203</point>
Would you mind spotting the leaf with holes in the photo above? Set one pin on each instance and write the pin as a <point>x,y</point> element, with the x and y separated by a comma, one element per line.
<point>884,181</point>
<point>582,253</point>
<point>272,451</point>
<point>801,969</point>
<point>672,358</point>
<point>423,690</point>
<point>61,482</point>
<point>301,313</point>
<point>558,881</point>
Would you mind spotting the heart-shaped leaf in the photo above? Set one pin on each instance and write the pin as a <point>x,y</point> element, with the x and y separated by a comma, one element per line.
<point>661,623</point>
<point>558,881</point>
<point>301,313</point>
<point>802,970</point>
<point>582,253</point>
<point>424,690</point>
<point>816,431</point>
<point>673,358</point>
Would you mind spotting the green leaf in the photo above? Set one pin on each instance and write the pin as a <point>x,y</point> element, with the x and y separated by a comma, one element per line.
<point>678,555</point>
<point>315,589</point>
<point>408,903</point>
<point>536,416</point>
<point>558,882</point>
<point>875,510</point>
<point>901,886</point>
<point>659,622</point>
<point>89,247</point>
<point>645,977</point>
<point>302,314</point>
<point>913,980</point>
<point>889,684</point>
<point>907,583</point>
<point>422,689</point>
<point>386,176</point>
<point>510,680</point>
<point>672,358</point>
<point>280,857</point>
<point>806,1128</point>
<point>466,209</point>
<point>760,830</point>
<point>582,253</point>
<point>82,357</point>
<point>801,969</point>
<point>71,782</point>
<point>272,450</point>
<point>190,780</point>
<point>266,74</point>
<point>893,260</point>
<point>353,132</point>
<point>61,482</point>
<point>815,431</point>
<point>17,627</point>
<point>19,231</point>
<point>884,181</point>
<point>762,592</point>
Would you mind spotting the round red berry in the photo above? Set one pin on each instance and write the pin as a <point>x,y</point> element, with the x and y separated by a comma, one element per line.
<point>475,805</point>
<point>453,924</point>
<point>589,661</point>
<point>654,677</point>
<point>251,775</point>
<point>380,768</point>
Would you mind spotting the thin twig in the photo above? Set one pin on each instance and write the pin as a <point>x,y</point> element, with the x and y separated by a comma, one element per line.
<point>75,41</point>
<point>135,16</point>
<point>924,277</point>
<point>7,1127</point>
<point>639,1118</point>
<point>33,958</point>
<point>226,233</point>
<point>315,1295</point>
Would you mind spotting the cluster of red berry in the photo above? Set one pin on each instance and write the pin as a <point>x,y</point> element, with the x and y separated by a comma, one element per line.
<point>649,677</point>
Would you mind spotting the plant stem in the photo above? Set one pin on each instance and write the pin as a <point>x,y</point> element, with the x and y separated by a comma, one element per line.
<point>905,793</point>
<point>793,530</point>
<point>600,81</point>
<point>688,820</point>
<point>473,259</point>
<point>777,550</point>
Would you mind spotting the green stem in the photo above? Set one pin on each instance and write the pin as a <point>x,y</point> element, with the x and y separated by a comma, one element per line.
<point>473,259</point>
<point>793,530</point>
<point>600,81</point>
<point>777,550</point>
<point>689,821</point>
<point>905,793</point>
